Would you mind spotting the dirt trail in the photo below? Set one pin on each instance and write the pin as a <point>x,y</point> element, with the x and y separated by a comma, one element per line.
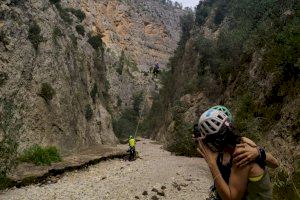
<point>157,175</point>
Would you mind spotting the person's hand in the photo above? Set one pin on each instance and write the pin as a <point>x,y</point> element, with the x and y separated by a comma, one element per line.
<point>244,154</point>
<point>209,156</point>
<point>248,141</point>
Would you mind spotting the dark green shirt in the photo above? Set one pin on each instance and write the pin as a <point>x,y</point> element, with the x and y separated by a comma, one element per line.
<point>260,190</point>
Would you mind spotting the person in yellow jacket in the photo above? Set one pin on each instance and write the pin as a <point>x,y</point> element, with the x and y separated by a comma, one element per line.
<point>131,150</point>
<point>131,142</point>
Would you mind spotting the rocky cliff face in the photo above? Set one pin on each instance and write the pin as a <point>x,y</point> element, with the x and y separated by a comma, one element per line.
<point>245,57</point>
<point>138,34</point>
<point>147,30</point>
<point>57,76</point>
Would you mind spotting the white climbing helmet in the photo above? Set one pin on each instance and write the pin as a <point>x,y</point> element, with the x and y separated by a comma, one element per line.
<point>211,121</point>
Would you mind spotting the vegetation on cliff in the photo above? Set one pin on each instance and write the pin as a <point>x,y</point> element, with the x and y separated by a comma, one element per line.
<point>40,156</point>
<point>9,127</point>
<point>127,122</point>
<point>249,61</point>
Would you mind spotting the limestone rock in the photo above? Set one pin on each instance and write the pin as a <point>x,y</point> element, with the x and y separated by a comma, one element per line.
<point>40,47</point>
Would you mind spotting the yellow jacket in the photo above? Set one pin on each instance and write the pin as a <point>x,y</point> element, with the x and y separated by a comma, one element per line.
<point>132,142</point>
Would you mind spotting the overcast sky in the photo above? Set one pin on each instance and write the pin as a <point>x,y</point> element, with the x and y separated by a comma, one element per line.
<point>188,3</point>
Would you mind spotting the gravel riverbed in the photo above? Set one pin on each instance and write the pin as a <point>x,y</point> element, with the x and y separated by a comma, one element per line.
<point>156,175</point>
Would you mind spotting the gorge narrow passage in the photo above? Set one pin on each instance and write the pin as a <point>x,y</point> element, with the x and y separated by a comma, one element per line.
<point>156,175</point>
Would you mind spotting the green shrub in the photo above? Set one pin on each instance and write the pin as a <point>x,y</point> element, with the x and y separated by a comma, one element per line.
<point>186,23</point>
<point>96,42</point>
<point>8,148</point>
<point>119,68</point>
<point>202,12</point>
<point>3,78</point>
<point>180,141</point>
<point>80,30</point>
<point>119,102</point>
<point>285,187</point>
<point>74,40</point>
<point>9,126</point>
<point>88,112</point>
<point>47,92</point>
<point>121,63</point>
<point>220,13</point>
<point>296,176</point>
<point>40,156</point>
<point>16,2</point>
<point>5,182</point>
<point>64,14</point>
<point>137,101</point>
<point>105,93</point>
<point>177,5</point>
<point>34,35</point>
<point>57,33</point>
<point>94,92</point>
<point>106,85</point>
<point>128,62</point>
<point>78,13</point>
<point>3,38</point>
<point>126,124</point>
<point>54,1</point>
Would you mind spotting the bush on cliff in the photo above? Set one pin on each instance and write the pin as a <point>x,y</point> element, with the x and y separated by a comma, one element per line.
<point>126,123</point>
<point>34,35</point>
<point>40,156</point>
<point>47,92</point>
<point>96,42</point>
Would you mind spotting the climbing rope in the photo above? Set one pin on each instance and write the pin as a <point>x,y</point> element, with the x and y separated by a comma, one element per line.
<point>140,113</point>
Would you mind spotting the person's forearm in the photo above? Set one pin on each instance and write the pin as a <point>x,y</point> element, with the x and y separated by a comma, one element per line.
<point>222,187</point>
<point>268,159</point>
<point>271,161</point>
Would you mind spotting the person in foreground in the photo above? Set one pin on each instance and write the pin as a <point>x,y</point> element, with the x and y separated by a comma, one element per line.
<point>219,142</point>
<point>245,153</point>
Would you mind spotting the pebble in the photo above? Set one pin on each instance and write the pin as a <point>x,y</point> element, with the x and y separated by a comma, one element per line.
<point>154,190</point>
<point>154,197</point>
<point>161,193</point>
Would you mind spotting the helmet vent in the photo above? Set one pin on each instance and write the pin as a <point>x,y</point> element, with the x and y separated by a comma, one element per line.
<point>220,117</point>
<point>204,128</point>
<point>216,122</point>
<point>210,127</point>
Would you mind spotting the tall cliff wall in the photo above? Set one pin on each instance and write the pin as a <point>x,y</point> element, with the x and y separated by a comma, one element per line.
<point>59,63</point>
<point>244,55</point>
<point>147,30</point>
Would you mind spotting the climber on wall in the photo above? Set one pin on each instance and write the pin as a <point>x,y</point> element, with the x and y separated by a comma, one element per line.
<point>156,70</point>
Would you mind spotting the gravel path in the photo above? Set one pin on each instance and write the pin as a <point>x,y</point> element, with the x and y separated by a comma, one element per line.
<point>157,175</point>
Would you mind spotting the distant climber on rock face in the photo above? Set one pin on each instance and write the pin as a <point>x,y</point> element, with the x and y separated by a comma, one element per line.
<point>156,69</point>
<point>131,149</point>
